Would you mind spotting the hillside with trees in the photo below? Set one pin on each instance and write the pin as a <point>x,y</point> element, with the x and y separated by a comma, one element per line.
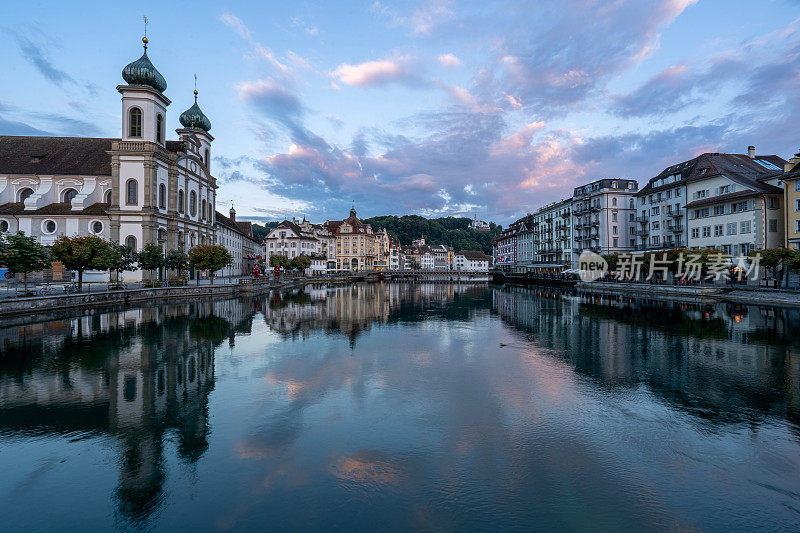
<point>452,231</point>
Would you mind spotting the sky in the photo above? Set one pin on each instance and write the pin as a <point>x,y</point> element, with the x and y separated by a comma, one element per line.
<point>430,107</point>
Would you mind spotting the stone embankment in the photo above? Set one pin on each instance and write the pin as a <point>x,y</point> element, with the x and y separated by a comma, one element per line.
<point>42,304</point>
<point>694,293</point>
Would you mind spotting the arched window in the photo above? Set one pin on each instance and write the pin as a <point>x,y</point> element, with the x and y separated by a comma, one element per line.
<point>135,122</point>
<point>180,201</point>
<point>132,190</point>
<point>203,209</point>
<point>130,242</point>
<point>159,128</point>
<point>108,196</point>
<point>24,193</point>
<point>210,212</point>
<point>207,161</point>
<point>193,203</point>
<point>69,195</point>
<point>162,196</point>
<point>632,206</point>
<point>614,202</point>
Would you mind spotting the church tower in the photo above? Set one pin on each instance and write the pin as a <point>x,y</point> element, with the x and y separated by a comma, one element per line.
<point>144,106</point>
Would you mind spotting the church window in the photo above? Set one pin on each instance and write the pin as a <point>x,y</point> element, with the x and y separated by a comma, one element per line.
<point>159,128</point>
<point>132,190</point>
<point>108,196</point>
<point>25,193</point>
<point>49,226</point>
<point>135,122</point>
<point>162,196</point>
<point>203,209</point>
<point>180,201</point>
<point>3,226</point>
<point>208,163</point>
<point>193,203</point>
<point>69,195</point>
<point>130,242</point>
<point>97,227</point>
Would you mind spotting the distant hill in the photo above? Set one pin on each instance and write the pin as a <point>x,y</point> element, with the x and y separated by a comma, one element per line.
<point>262,230</point>
<point>452,231</point>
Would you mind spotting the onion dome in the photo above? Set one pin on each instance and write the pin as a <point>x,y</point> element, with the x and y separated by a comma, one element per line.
<point>142,72</point>
<point>194,117</point>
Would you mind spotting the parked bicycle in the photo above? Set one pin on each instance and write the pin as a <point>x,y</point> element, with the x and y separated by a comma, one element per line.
<point>71,288</point>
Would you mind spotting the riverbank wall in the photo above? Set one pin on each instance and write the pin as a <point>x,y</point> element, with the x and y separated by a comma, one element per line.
<point>40,304</point>
<point>694,294</point>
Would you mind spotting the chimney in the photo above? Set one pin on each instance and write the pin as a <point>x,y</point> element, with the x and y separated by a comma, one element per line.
<point>751,152</point>
<point>792,162</point>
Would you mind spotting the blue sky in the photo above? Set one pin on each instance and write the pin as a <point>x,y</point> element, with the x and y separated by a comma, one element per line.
<point>426,107</point>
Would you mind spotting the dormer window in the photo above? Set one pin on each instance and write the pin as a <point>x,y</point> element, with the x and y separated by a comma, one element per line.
<point>37,158</point>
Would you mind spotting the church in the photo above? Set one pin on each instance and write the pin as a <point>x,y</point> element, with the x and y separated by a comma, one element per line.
<point>137,189</point>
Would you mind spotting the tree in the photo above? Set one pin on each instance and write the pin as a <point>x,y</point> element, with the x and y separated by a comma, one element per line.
<point>301,262</point>
<point>211,257</point>
<point>774,259</point>
<point>279,261</point>
<point>22,254</point>
<point>82,253</point>
<point>123,259</point>
<point>176,260</point>
<point>151,258</point>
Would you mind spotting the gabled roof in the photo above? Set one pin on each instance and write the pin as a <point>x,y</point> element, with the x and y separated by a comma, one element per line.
<point>222,220</point>
<point>473,255</point>
<point>739,168</point>
<point>58,156</point>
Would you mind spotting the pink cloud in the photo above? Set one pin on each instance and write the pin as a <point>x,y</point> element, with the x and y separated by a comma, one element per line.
<point>371,72</point>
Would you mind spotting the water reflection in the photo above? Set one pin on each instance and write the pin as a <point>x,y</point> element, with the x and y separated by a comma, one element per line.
<point>409,406</point>
<point>722,362</point>
<point>136,375</point>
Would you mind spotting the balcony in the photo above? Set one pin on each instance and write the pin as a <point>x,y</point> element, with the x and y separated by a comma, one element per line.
<point>675,214</point>
<point>642,220</point>
<point>677,228</point>
<point>644,231</point>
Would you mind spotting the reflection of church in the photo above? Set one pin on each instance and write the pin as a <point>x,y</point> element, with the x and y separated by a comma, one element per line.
<point>149,372</point>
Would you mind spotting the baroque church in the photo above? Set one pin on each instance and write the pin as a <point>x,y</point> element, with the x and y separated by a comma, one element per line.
<point>137,189</point>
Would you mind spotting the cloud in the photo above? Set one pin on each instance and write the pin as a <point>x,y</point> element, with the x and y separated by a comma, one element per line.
<point>449,61</point>
<point>259,50</point>
<point>36,56</point>
<point>372,73</point>
<point>309,30</point>
<point>422,21</point>
<point>571,49</point>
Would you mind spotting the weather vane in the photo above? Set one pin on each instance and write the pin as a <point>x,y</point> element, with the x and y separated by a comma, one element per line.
<point>144,39</point>
<point>195,87</point>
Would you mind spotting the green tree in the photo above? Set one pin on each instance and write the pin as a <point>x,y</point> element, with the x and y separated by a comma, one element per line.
<point>22,254</point>
<point>83,253</point>
<point>776,260</point>
<point>211,257</point>
<point>151,258</point>
<point>301,262</point>
<point>278,261</point>
<point>176,260</point>
<point>123,259</point>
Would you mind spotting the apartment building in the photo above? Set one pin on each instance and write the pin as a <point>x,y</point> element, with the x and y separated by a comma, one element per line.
<point>736,202</point>
<point>661,216</point>
<point>604,214</point>
<point>791,205</point>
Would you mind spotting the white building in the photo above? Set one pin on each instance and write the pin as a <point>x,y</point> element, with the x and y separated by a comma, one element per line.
<point>471,261</point>
<point>604,214</point>
<point>137,189</point>
<point>735,203</point>
<point>237,238</point>
<point>293,238</point>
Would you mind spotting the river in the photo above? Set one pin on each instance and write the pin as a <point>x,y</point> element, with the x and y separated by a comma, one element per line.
<point>401,406</point>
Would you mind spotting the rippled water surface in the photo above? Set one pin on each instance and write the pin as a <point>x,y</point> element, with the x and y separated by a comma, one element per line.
<point>382,406</point>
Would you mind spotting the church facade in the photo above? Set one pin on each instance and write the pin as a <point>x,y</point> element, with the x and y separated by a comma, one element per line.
<point>137,189</point>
